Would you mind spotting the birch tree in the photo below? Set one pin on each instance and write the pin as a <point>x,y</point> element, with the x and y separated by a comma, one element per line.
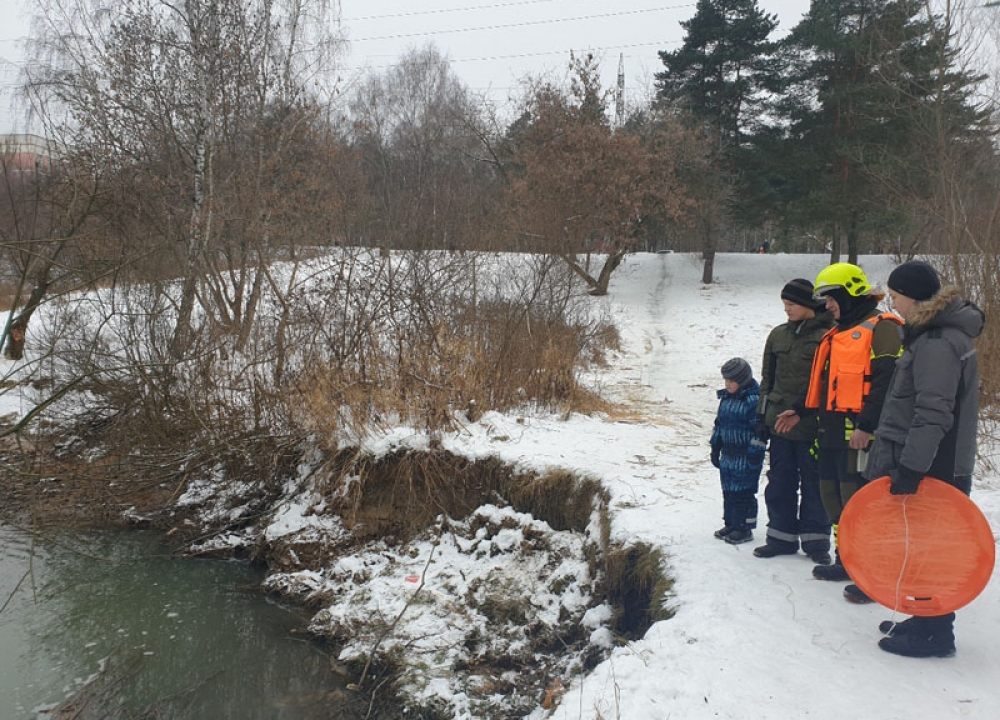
<point>191,108</point>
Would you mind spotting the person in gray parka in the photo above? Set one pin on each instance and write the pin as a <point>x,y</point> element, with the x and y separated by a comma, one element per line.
<point>930,417</point>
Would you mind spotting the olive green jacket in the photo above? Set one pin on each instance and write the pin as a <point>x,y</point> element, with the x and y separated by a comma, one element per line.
<point>784,378</point>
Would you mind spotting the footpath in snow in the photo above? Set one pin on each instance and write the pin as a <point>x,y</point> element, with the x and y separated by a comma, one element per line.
<point>752,638</point>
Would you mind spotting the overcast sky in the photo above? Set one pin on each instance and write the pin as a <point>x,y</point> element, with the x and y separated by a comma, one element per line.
<point>492,43</point>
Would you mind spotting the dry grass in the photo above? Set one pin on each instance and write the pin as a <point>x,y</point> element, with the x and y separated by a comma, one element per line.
<point>977,277</point>
<point>637,587</point>
<point>489,362</point>
<point>400,495</point>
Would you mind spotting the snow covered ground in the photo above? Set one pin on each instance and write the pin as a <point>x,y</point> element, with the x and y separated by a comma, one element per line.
<point>751,638</point>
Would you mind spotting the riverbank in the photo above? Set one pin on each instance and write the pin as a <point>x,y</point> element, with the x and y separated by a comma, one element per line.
<point>732,617</point>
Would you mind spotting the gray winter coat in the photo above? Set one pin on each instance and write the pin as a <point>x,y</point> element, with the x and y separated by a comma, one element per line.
<point>930,416</point>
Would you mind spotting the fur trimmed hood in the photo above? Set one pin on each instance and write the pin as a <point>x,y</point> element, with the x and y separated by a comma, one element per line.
<point>946,309</point>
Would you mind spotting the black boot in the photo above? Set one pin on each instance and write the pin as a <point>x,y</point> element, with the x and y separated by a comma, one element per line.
<point>854,594</point>
<point>821,557</point>
<point>835,572</point>
<point>739,536</point>
<point>919,646</point>
<point>723,531</point>
<point>924,637</point>
<point>891,629</point>
<point>770,551</point>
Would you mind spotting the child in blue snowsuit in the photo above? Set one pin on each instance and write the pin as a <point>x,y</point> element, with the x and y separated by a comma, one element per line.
<point>738,452</point>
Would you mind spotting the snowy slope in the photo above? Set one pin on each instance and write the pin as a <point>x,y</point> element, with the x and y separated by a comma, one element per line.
<point>752,638</point>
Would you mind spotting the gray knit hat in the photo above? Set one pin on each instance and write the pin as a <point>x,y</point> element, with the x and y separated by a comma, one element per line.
<point>738,370</point>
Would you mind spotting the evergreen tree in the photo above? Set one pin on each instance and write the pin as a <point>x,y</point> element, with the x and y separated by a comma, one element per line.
<point>723,68</point>
<point>869,82</point>
<point>720,77</point>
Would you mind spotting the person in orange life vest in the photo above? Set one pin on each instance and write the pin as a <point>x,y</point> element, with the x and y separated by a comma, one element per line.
<point>847,386</point>
<point>930,419</point>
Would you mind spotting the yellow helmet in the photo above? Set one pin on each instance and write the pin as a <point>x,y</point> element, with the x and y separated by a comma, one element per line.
<point>842,275</point>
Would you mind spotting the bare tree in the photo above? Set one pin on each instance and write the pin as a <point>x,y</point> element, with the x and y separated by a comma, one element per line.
<point>419,134</point>
<point>47,212</point>
<point>197,105</point>
<point>577,186</point>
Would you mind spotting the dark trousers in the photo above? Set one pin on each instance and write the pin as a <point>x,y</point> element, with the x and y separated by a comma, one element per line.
<point>795,509</point>
<point>839,479</point>
<point>739,509</point>
<point>944,625</point>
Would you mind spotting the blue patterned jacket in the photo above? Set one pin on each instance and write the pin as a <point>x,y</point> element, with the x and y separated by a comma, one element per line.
<point>742,452</point>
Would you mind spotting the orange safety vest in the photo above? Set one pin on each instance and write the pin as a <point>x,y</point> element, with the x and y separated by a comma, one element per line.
<point>846,357</point>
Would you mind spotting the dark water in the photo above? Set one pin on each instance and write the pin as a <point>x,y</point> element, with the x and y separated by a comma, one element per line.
<point>189,638</point>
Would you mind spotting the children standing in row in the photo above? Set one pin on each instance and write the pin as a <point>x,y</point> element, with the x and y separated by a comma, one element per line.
<point>737,451</point>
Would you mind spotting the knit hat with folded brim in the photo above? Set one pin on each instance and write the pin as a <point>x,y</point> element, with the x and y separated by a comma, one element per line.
<point>738,370</point>
<point>800,292</point>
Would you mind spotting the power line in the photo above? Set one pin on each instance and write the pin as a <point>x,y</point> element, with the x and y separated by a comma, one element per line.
<point>563,52</point>
<point>443,11</point>
<point>527,23</point>
<point>470,8</point>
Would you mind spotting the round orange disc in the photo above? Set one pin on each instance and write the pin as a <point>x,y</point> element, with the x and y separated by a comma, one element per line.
<point>928,553</point>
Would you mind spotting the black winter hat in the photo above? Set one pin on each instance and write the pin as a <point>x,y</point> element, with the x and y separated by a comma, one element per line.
<point>915,279</point>
<point>800,292</point>
<point>738,370</point>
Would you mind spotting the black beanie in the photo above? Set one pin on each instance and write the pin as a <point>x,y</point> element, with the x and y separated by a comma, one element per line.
<point>915,279</point>
<point>738,370</point>
<point>800,292</point>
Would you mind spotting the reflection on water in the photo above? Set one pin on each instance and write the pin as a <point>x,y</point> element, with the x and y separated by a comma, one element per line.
<point>199,630</point>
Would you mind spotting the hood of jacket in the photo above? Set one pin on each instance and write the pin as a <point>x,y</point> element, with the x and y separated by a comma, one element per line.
<point>946,309</point>
<point>751,388</point>
<point>861,309</point>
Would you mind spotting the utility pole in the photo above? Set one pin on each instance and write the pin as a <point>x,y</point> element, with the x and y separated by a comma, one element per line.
<point>620,93</point>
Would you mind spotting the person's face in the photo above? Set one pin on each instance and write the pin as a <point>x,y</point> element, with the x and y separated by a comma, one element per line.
<point>901,304</point>
<point>732,387</point>
<point>832,307</point>
<point>796,312</point>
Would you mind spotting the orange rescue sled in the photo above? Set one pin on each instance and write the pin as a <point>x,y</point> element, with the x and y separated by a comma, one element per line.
<point>925,554</point>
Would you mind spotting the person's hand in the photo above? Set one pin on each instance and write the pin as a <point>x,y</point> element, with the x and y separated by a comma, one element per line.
<point>761,430</point>
<point>786,421</point>
<point>904,481</point>
<point>859,440</point>
<point>716,452</point>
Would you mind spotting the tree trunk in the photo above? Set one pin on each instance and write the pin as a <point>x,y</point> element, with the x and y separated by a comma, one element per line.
<point>852,238</point>
<point>835,243</point>
<point>18,327</point>
<point>708,253</point>
<point>604,279</point>
<point>181,339</point>
<point>708,270</point>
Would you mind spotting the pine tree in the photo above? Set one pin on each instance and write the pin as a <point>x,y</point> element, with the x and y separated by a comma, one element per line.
<point>723,68</point>
<point>866,81</point>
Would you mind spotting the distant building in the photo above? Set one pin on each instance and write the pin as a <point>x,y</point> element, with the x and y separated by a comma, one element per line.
<point>23,153</point>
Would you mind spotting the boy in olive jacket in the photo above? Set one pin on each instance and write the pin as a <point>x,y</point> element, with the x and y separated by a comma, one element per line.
<point>795,511</point>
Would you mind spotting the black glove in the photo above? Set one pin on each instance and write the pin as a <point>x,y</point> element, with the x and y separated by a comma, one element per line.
<point>762,431</point>
<point>904,481</point>
<point>716,451</point>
